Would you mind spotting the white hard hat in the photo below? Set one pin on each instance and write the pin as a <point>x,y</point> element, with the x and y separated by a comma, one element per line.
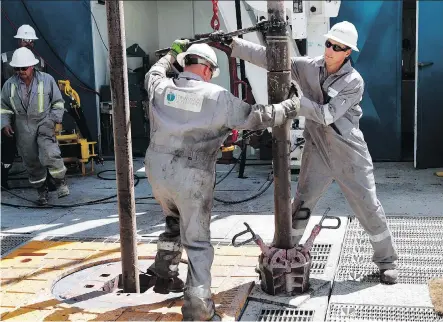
<point>26,32</point>
<point>23,57</point>
<point>204,51</point>
<point>345,33</point>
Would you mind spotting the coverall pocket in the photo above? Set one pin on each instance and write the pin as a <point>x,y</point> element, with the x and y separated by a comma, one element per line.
<point>47,129</point>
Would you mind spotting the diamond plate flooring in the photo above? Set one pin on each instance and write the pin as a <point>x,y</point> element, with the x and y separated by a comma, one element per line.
<point>10,242</point>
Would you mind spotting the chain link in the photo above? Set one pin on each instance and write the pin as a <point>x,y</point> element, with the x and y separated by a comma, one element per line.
<point>215,22</point>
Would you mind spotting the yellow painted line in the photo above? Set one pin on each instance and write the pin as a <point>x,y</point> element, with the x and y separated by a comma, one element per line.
<point>24,314</point>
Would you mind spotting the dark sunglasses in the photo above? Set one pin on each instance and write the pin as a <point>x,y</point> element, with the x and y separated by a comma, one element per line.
<point>335,47</point>
<point>17,69</point>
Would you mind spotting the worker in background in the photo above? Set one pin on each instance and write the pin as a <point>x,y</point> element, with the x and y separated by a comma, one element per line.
<point>31,107</point>
<point>335,148</point>
<point>190,119</point>
<point>26,37</point>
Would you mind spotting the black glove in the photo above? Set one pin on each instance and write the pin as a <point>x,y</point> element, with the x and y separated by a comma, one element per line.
<point>293,90</point>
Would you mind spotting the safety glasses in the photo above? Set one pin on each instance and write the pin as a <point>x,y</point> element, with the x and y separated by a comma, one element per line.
<point>28,40</point>
<point>335,47</point>
<point>18,69</point>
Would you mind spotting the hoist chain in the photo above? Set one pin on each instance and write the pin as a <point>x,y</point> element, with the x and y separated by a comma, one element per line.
<point>215,22</point>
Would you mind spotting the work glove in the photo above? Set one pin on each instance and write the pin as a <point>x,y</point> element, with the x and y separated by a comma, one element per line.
<point>179,46</point>
<point>220,36</point>
<point>292,104</point>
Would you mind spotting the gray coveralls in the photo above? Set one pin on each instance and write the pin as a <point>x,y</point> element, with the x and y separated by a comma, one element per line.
<point>32,112</point>
<point>9,148</point>
<point>190,120</point>
<point>335,148</point>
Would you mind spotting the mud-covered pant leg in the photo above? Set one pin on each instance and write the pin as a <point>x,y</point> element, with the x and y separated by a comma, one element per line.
<point>358,186</point>
<point>49,151</point>
<point>169,248</point>
<point>313,181</point>
<point>29,151</point>
<point>195,210</point>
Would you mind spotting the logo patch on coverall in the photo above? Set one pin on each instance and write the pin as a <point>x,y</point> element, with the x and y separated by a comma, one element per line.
<point>185,101</point>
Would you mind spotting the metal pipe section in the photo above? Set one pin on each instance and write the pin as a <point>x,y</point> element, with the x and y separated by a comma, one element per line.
<point>122,145</point>
<point>279,79</point>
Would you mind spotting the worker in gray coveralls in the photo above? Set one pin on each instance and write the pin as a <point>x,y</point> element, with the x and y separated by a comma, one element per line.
<point>190,119</point>
<point>335,148</point>
<point>31,107</point>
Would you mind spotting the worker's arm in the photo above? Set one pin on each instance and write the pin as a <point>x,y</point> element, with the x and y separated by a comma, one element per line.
<point>164,65</point>
<point>6,110</point>
<point>57,102</point>
<point>328,113</point>
<point>158,72</point>
<point>256,54</point>
<point>243,116</point>
<point>249,51</point>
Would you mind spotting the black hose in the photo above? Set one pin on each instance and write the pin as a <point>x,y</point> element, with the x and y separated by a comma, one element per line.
<point>233,202</point>
<point>87,203</point>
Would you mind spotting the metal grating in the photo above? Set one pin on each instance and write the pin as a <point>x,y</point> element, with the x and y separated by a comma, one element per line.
<point>419,244</point>
<point>320,255</point>
<point>286,315</point>
<point>9,242</point>
<point>338,312</point>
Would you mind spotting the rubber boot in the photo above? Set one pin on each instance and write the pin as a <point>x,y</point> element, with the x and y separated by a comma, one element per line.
<point>50,181</point>
<point>62,188</point>
<point>169,285</point>
<point>42,195</point>
<point>166,285</point>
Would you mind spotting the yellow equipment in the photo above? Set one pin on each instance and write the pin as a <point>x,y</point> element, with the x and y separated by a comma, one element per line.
<point>75,147</point>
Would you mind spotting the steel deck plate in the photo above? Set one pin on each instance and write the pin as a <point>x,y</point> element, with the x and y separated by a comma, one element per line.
<point>10,242</point>
<point>420,248</point>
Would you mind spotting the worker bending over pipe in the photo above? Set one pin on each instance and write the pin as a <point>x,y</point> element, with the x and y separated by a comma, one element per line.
<point>190,119</point>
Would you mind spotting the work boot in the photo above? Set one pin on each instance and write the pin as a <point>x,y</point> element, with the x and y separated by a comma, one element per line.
<point>388,276</point>
<point>42,195</point>
<point>52,186</point>
<point>62,188</point>
<point>167,285</point>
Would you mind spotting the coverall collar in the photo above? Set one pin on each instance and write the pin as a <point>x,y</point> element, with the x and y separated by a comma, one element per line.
<point>190,75</point>
<point>346,68</point>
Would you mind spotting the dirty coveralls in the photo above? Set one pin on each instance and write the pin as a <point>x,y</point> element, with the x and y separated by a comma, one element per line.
<point>8,148</point>
<point>335,148</point>
<point>32,112</point>
<point>190,119</point>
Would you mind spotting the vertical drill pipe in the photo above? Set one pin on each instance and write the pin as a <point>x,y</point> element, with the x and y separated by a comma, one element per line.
<point>279,79</point>
<point>122,145</point>
<point>241,171</point>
